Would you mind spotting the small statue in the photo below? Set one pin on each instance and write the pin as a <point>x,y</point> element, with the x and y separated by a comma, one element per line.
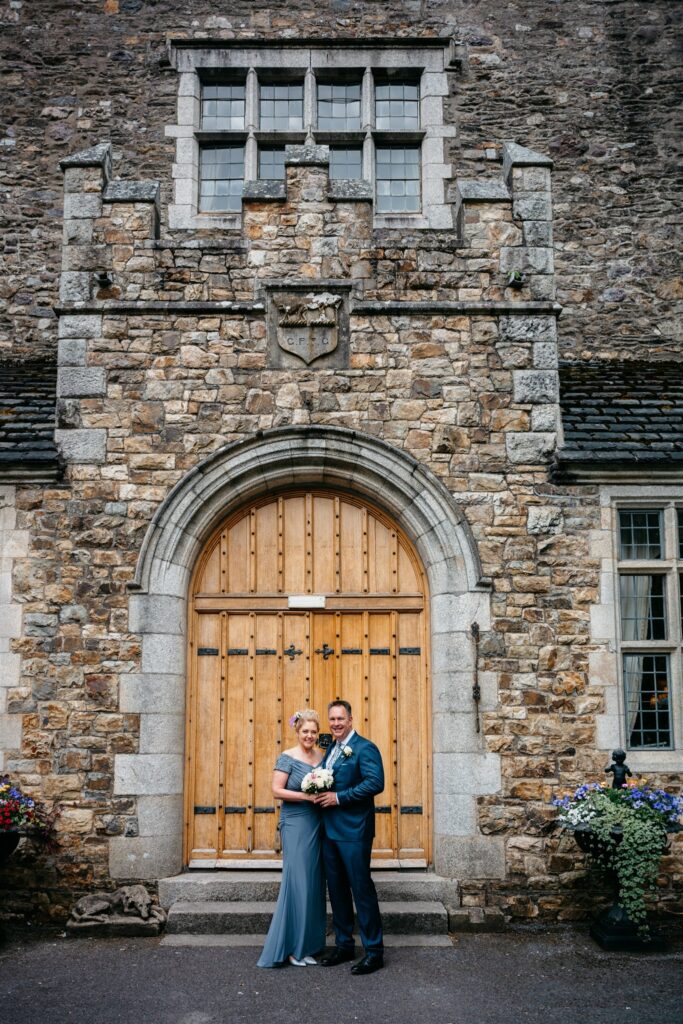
<point>619,769</point>
<point>128,911</point>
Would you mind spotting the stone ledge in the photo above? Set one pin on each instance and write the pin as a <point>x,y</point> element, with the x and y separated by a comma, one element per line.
<point>342,190</point>
<point>264,191</point>
<point>132,192</point>
<point>307,156</point>
<point>95,156</point>
<point>515,155</point>
<point>477,190</point>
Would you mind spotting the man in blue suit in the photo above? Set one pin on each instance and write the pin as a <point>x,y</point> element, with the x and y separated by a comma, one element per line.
<point>349,828</point>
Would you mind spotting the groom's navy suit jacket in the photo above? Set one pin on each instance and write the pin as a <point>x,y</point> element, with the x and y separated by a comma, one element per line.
<point>357,779</point>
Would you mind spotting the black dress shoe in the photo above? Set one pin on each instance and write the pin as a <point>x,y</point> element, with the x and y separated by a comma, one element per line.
<point>337,956</point>
<point>370,963</point>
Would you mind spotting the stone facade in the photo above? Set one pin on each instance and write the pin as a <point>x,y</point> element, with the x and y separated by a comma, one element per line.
<point>445,393</point>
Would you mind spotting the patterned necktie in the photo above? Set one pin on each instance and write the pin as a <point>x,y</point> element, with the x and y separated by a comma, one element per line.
<point>334,755</point>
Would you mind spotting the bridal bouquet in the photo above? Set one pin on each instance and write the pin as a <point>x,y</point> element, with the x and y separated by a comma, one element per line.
<point>317,781</point>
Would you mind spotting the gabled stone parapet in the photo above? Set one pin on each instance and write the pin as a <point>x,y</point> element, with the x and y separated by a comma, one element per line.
<point>510,221</point>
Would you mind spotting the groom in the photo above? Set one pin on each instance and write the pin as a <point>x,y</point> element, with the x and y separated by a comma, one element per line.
<point>349,828</point>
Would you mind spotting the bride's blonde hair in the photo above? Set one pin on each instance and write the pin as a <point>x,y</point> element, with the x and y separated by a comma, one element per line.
<point>307,715</point>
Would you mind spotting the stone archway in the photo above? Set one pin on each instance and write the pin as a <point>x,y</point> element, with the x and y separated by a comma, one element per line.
<point>424,509</point>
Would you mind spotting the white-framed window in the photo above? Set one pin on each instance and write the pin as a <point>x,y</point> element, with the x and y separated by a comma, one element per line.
<point>649,599</point>
<point>221,178</point>
<point>379,107</point>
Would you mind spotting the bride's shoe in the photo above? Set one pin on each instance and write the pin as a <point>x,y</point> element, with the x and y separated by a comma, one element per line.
<point>310,961</point>
<point>296,963</point>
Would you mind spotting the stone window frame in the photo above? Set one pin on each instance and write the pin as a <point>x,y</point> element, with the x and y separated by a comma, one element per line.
<point>606,665</point>
<point>426,60</point>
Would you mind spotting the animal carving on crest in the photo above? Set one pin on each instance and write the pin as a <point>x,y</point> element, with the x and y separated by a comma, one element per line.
<point>308,326</point>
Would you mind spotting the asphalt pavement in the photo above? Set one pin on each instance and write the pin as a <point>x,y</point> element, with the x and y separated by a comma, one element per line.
<point>531,978</point>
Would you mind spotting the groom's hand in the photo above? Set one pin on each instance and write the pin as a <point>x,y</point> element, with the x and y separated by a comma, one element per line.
<point>326,799</point>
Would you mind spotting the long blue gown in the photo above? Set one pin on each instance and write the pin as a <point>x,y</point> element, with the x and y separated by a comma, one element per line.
<point>299,922</point>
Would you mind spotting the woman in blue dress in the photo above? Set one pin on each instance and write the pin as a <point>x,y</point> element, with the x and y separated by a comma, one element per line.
<point>297,930</point>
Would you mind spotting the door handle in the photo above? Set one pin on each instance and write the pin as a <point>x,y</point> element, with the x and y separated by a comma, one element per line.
<point>325,651</point>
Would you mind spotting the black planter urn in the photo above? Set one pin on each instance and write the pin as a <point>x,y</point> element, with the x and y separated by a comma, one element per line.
<point>8,844</point>
<point>613,929</point>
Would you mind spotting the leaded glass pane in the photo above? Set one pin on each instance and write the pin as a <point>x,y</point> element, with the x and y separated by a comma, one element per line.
<point>223,106</point>
<point>346,162</point>
<point>398,179</point>
<point>397,105</point>
<point>338,107</point>
<point>221,178</point>
<point>640,533</point>
<point>282,106</point>
<point>646,685</point>
<point>643,607</point>
<point>271,162</point>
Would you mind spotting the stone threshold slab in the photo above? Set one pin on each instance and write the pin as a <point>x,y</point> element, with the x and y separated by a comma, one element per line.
<point>236,941</point>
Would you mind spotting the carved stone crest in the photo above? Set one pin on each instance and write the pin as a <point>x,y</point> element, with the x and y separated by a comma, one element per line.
<point>307,327</point>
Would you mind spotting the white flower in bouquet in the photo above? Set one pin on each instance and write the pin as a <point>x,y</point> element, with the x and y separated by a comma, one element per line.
<point>317,781</point>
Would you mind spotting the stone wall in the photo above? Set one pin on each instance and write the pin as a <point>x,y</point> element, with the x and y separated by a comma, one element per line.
<point>168,360</point>
<point>591,84</point>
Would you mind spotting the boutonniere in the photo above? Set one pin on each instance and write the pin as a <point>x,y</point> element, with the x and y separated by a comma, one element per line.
<point>347,751</point>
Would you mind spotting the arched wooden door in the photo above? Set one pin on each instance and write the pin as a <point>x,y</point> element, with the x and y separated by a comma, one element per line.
<point>296,601</point>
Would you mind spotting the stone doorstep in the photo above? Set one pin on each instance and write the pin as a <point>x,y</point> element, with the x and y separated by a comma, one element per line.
<point>244,941</point>
<point>258,886</point>
<point>417,917</point>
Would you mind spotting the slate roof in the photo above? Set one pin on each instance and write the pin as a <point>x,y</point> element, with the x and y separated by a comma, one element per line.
<point>626,413</point>
<point>27,419</point>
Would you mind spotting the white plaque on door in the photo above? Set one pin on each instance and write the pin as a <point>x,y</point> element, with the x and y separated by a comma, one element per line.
<point>306,601</point>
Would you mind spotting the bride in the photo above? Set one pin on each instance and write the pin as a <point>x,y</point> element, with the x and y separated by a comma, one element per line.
<point>297,930</point>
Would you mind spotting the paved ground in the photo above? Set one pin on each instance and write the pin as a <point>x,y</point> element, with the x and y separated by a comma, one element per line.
<point>553,978</point>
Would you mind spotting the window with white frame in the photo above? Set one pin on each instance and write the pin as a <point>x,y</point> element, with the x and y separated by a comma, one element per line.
<point>650,603</point>
<point>378,107</point>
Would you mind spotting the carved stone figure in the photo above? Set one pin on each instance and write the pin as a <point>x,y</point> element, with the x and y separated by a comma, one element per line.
<point>129,910</point>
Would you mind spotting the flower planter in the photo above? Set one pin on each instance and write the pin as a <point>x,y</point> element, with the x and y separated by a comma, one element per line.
<point>613,929</point>
<point>8,844</point>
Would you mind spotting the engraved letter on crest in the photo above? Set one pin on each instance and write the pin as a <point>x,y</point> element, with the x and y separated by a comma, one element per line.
<point>308,325</point>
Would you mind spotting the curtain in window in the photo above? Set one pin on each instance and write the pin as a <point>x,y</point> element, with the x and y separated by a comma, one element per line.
<point>635,627</point>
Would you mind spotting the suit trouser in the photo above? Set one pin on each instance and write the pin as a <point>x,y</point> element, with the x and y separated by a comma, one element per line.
<point>347,866</point>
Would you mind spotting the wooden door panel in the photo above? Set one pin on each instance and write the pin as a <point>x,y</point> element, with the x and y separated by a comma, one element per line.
<point>324,527</point>
<point>411,747</point>
<point>206,726</point>
<point>351,675</point>
<point>294,545</point>
<point>236,713</point>
<point>267,728</point>
<point>266,547</point>
<point>380,719</point>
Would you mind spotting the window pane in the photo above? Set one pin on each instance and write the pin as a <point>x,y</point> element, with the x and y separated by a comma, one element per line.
<point>221,178</point>
<point>680,532</point>
<point>223,106</point>
<point>398,179</point>
<point>643,607</point>
<point>345,162</point>
<point>339,107</point>
<point>646,685</point>
<point>640,533</point>
<point>397,105</point>
<point>281,106</point>
<point>271,162</point>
